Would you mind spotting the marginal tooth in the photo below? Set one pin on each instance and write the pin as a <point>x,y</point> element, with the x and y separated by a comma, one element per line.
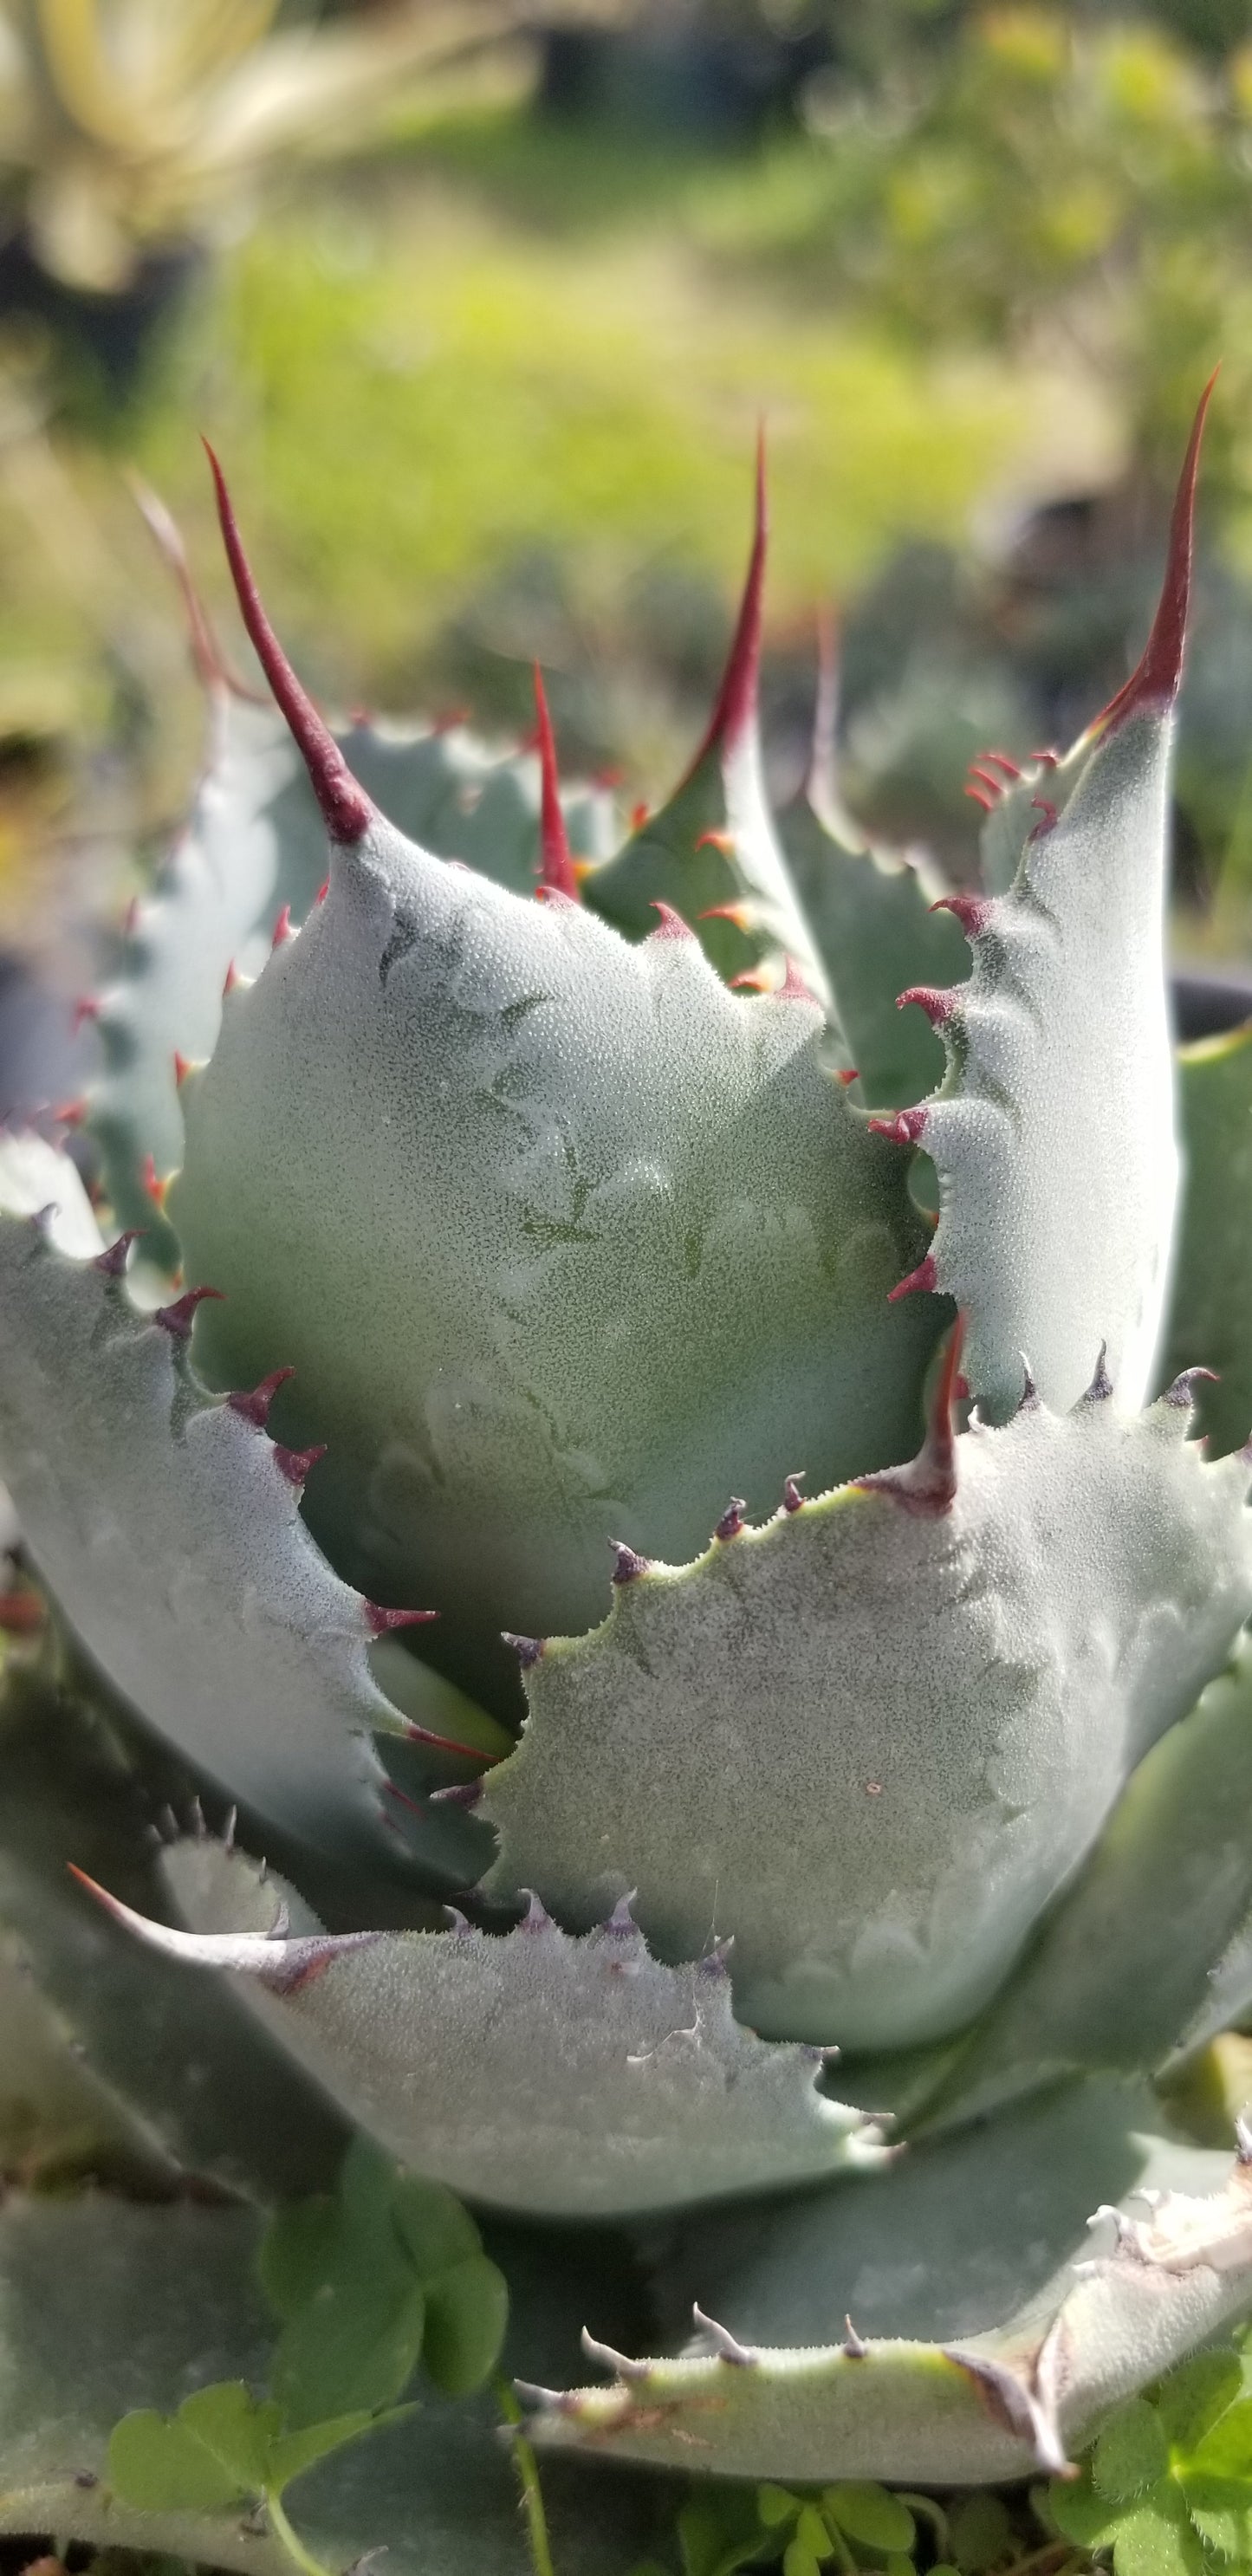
<point>726,2345</point>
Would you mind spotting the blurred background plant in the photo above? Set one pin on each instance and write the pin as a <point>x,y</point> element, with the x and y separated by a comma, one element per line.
<point>481,300</point>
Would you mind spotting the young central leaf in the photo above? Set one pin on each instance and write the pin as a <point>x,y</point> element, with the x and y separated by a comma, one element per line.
<point>562,1240</point>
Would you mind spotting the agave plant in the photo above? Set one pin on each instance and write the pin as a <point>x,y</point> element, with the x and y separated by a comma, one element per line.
<point>855,1816</point>
<point>126,125</point>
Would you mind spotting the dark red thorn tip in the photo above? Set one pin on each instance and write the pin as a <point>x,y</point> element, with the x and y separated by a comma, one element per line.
<point>1182,1392</point>
<point>671,924</point>
<point>466,1793</point>
<point>230,979</point>
<point>282,928</point>
<point>750,981</point>
<point>904,1128</point>
<point>793,987</point>
<point>987,778</point>
<point>927,1485</point>
<point>347,810</point>
<point>793,1499</point>
<point>254,1402</point>
<point>556,867</point>
<point>382,1621</point>
<point>924,1277</point>
<point>973,911</point>
<point>937,1005</point>
<point>179,1318</point>
<point>113,1262</point>
<point>87,1007</point>
<point>846,1074</point>
<point>979,796</point>
<point>732,1520</point>
<point>527,1649</point>
<point>415,1734</point>
<point>297,1464</point>
<point>182,1067</point>
<point>70,1113</point>
<point>629,1565</point>
<point>740,914</point>
<point>1153,685</point>
<point>1001,760</point>
<point>736,704</point>
<point>1042,805</point>
<point>322,891</point>
<point>1046,759</point>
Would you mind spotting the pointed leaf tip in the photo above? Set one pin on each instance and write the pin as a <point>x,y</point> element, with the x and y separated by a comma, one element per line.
<point>254,1402</point>
<point>527,1649</point>
<point>113,1261</point>
<point>1153,685</point>
<point>937,1005</point>
<point>382,1621</point>
<point>628,1565</point>
<point>297,1464</point>
<point>736,704</point>
<point>347,810</point>
<point>556,867</point>
<point>178,1318</point>
<point>670,924</point>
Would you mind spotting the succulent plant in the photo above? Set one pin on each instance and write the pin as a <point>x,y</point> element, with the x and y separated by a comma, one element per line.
<point>855,1815</point>
<point>126,125</point>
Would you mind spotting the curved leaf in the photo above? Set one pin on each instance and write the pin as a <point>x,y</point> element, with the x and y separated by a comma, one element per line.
<point>896,1717</point>
<point>573,2077</point>
<point>560,1237</point>
<point>166,1523</point>
<point>953,2234</point>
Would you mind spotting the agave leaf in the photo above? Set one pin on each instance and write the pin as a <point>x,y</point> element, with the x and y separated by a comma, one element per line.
<point>168,1524</point>
<point>1209,1303</point>
<point>900,1712</point>
<point>254,854</point>
<point>957,2236</point>
<point>177,2079</point>
<point>214,906</point>
<point>632,1240</point>
<point>1053,1133</point>
<point>107,2306</point>
<point>711,853</point>
<point>1122,1975</point>
<point>578,2078</point>
<point>874,921</point>
<point>38,1179</point>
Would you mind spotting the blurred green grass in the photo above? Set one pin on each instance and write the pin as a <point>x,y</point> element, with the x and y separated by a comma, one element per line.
<point>498,343</point>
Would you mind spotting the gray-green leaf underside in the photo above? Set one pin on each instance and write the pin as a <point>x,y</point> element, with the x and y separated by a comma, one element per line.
<point>254,843</point>
<point>872,1739</point>
<point>1053,1132</point>
<point>166,1530</point>
<point>1210,1319</point>
<point>1035,2317</point>
<point>106,2306</point>
<point>577,2078</point>
<point>565,1242</point>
